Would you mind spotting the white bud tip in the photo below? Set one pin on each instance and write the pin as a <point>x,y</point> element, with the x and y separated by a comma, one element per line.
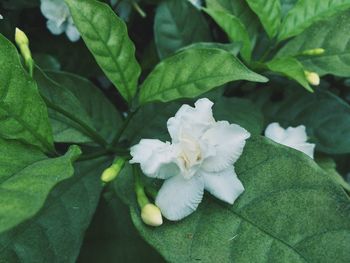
<point>151,215</point>
<point>21,38</point>
<point>1,17</point>
<point>313,78</point>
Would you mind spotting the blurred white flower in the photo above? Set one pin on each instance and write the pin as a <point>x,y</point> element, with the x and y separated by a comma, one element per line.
<point>59,19</point>
<point>295,138</point>
<point>201,156</point>
<point>197,3</point>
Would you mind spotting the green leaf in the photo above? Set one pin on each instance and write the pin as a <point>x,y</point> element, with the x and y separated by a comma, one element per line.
<point>332,35</point>
<point>320,112</point>
<point>112,237</point>
<point>26,178</point>
<point>104,117</point>
<point>64,111</point>
<point>176,25</point>
<point>305,13</point>
<point>233,48</point>
<point>241,10</point>
<point>56,233</point>
<point>291,211</point>
<point>239,111</point>
<point>290,67</point>
<point>269,13</point>
<point>107,38</point>
<point>23,114</point>
<point>330,167</point>
<point>192,72</point>
<point>234,29</point>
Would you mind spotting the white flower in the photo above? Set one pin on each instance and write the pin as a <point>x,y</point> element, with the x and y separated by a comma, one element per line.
<point>196,3</point>
<point>295,138</point>
<point>201,156</point>
<point>59,19</point>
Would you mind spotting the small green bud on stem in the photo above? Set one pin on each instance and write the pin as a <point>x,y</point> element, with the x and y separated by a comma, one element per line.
<point>112,172</point>
<point>150,213</point>
<point>22,42</point>
<point>313,52</point>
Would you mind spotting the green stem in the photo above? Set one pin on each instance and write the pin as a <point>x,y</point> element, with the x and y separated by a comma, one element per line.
<point>124,126</point>
<point>86,129</point>
<point>141,197</point>
<point>139,9</point>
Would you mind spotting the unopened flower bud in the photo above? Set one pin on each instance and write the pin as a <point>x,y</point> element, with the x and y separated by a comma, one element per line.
<point>22,42</point>
<point>313,52</point>
<point>112,172</point>
<point>312,77</point>
<point>151,215</point>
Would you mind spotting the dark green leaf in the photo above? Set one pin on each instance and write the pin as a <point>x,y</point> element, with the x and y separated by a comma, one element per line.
<point>56,233</point>
<point>107,38</point>
<point>26,178</point>
<point>291,211</point>
<point>234,29</point>
<point>291,68</point>
<point>104,117</point>
<point>176,25</point>
<point>307,12</point>
<point>332,35</point>
<point>269,13</point>
<point>23,114</point>
<point>193,72</point>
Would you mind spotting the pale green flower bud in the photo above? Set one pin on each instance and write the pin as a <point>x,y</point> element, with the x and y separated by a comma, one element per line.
<point>313,52</point>
<point>151,215</point>
<point>22,42</point>
<point>312,77</point>
<point>112,172</point>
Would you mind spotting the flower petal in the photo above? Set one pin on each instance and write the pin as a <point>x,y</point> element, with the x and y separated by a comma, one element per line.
<point>179,197</point>
<point>72,33</point>
<point>54,28</point>
<point>275,132</point>
<point>157,159</point>
<point>224,185</point>
<point>228,141</point>
<point>295,135</point>
<point>55,10</point>
<point>189,120</point>
<point>307,148</point>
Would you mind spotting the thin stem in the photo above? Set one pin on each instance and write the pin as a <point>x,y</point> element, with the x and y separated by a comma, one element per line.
<point>93,155</point>
<point>139,9</point>
<point>141,197</point>
<point>124,126</point>
<point>86,129</point>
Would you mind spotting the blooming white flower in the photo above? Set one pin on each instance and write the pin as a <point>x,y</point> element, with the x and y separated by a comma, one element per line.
<point>59,19</point>
<point>292,137</point>
<point>201,156</point>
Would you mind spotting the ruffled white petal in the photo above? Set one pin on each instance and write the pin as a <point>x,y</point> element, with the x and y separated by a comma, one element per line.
<point>55,28</point>
<point>191,120</point>
<point>228,141</point>
<point>179,197</point>
<point>275,132</point>
<point>55,10</point>
<point>157,159</point>
<point>224,185</point>
<point>72,33</point>
<point>293,137</point>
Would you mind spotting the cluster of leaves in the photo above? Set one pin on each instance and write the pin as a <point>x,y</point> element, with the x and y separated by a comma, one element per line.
<point>88,102</point>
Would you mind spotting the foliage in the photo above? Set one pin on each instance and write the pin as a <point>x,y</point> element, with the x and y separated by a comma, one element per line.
<point>82,105</point>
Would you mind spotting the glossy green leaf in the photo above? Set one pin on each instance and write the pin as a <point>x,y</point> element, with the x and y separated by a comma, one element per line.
<point>176,25</point>
<point>107,38</point>
<point>26,178</point>
<point>56,233</point>
<point>291,211</point>
<point>269,13</point>
<point>234,29</point>
<point>23,114</point>
<point>112,237</point>
<point>64,109</point>
<point>291,68</point>
<point>320,112</point>
<point>193,72</point>
<point>331,35</point>
<point>241,10</point>
<point>306,12</point>
<point>102,113</point>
